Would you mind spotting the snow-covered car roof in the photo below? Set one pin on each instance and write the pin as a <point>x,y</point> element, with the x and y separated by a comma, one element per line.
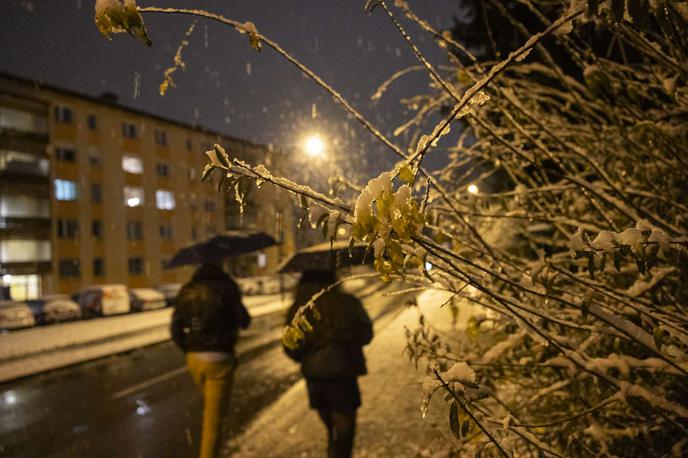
<point>147,294</point>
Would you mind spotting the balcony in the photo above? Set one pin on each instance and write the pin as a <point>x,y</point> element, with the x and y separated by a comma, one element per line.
<point>25,268</point>
<point>29,142</point>
<point>37,228</point>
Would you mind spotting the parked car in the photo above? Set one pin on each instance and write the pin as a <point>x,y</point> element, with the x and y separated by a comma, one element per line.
<point>15,315</point>
<point>146,299</point>
<point>101,300</point>
<point>266,284</point>
<point>170,291</point>
<point>54,308</point>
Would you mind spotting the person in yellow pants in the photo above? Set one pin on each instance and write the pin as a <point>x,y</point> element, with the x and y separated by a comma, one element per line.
<point>213,373</point>
<point>205,325</point>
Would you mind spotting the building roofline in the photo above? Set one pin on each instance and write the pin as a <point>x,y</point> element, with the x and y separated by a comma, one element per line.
<point>100,101</point>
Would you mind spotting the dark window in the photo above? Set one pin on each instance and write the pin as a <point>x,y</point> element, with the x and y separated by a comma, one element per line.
<point>135,265</point>
<point>189,144</point>
<point>94,158</point>
<point>98,267</point>
<point>67,228</point>
<point>279,226</point>
<point>69,268</point>
<point>165,231</point>
<point>161,138</point>
<point>209,205</point>
<point>194,233</point>
<point>65,154</point>
<point>97,229</point>
<point>63,115</point>
<point>129,130</point>
<point>134,230</point>
<point>96,193</point>
<point>162,170</point>
<point>92,122</point>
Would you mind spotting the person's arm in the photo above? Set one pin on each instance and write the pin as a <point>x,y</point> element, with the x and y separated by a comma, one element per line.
<point>361,324</point>
<point>241,315</point>
<point>177,328</point>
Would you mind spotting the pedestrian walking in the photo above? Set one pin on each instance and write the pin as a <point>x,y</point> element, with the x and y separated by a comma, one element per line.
<point>205,324</point>
<point>331,356</point>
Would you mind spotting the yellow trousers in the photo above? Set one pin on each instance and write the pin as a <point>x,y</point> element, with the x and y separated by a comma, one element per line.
<point>215,382</point>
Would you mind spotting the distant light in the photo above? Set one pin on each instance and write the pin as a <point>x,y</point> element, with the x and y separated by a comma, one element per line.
<point>7,278</point>
<point>10,398</point>
<point>428,266</point>
<point>142,408</point>
<point>473,189</point>
<point>133,202</point>
<point>262,260</point>
<point>314,146</point>
<point>341,231</point>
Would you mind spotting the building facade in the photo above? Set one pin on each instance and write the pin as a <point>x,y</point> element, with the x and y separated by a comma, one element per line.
<point>92,192</point>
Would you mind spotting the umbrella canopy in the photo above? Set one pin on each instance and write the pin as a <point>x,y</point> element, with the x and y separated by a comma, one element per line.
<point>221,246</point>
<point>326,256</point>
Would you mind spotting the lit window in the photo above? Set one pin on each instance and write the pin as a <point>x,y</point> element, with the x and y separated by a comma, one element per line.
<point>164,200</point>
<point>66,190</point>
<point>128,130</point>
<point>262,260</point>
<point>132,164</point>
<point>22,250</point>
<point>133,196</point>
<point>11,118</point>
<point>63,115</point>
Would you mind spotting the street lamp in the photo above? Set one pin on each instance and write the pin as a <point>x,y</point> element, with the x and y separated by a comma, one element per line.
<point>473,189</point>
<point>314,146</point>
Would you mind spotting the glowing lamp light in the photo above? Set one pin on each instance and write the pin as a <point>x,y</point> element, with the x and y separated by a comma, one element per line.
<point>7,278</point>
<point>314,146</point>
<point>473,189</point>
<point>133,201</point>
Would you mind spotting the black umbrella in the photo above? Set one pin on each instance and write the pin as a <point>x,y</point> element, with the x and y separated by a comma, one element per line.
<point>326,256</point>
<point>221,246</point>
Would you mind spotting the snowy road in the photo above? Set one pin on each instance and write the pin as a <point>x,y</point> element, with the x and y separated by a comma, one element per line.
<point>143,403</point>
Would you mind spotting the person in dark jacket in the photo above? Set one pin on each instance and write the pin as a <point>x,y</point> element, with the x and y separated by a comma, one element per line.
<point>205,324</point>
<point>331,356</point>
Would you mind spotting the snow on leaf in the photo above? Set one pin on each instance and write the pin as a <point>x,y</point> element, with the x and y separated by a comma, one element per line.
<point>632,237</point>
<point>113,16</point>
<point>459,372</point>
<point>576,242</point>
<point>604,241</point>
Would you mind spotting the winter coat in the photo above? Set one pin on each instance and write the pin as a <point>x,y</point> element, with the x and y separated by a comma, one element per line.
<point>333,349</point>
<point>208,312</point>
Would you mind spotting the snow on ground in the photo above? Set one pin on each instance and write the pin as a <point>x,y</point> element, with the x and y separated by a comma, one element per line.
<point>40,349</point>
<point>389,422</point>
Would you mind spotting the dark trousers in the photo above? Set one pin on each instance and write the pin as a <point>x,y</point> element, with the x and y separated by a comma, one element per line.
<point>341,429</point>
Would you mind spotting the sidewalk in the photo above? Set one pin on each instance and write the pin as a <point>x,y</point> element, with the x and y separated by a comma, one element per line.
<point>389,422</point>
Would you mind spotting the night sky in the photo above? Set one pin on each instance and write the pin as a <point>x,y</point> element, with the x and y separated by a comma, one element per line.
<point>228,86</point>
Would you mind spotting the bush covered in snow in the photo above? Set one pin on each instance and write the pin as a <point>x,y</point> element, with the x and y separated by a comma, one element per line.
<point>573,238</point>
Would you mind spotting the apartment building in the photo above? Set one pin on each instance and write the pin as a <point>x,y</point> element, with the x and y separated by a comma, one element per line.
<point>92,192</point>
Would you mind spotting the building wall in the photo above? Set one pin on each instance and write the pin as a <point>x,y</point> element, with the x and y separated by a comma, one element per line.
<point>86,145</point>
